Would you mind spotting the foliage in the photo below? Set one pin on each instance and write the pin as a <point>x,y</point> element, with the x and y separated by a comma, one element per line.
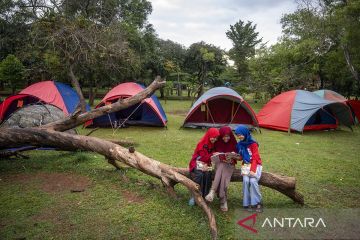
<point>318,49</point>
<point>204,61</point>
<point>244,39</point>
<point>12,72</point>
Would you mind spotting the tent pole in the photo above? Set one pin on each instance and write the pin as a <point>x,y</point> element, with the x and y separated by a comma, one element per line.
<point>232,110</point>
<point>210,114</point>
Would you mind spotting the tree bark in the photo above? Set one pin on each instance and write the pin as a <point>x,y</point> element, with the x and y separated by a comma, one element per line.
<point>91,93</point>
<point>76,85</point>
<point>283,184</point>
<point>351,67</point>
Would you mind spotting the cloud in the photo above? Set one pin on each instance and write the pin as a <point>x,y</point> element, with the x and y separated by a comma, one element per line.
<point>190,21</point>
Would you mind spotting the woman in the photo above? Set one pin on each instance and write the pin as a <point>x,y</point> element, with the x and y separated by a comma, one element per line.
<point>200,163</point>
<point>224,167</point>
<point>251,169</point>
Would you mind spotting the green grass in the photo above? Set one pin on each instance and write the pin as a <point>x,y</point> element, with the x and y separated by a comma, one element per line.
<point>127,204</point>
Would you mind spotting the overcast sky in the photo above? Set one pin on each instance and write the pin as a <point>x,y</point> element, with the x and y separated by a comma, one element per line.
<point>190,21</point>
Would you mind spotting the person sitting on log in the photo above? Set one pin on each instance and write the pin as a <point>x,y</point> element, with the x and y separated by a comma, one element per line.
<point>200,163</point>
<point>224,160</point>
<point>251,169</point>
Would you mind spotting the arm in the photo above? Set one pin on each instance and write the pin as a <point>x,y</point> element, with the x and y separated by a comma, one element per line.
<point>255,158</point>
<point>204,156</point>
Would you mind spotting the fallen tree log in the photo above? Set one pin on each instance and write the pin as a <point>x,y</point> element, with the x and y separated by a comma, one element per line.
<point>52,135</point>
<point>284,184</point>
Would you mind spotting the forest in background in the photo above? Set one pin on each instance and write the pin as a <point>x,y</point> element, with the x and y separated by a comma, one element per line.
<point>102,43</point>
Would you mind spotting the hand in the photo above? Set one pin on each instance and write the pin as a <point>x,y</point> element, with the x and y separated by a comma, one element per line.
<point>252,174</point>
<point>204,168</point>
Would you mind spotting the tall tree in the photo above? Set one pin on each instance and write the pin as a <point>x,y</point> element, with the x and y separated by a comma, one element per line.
<point>204,61</point>
<point>12,72</point>
<point>244,38</point>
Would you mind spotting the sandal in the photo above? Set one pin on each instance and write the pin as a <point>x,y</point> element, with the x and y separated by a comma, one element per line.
<point>224,207</point>
<point>192,201</point>
<point>210,196</point>
<point>248,208</point>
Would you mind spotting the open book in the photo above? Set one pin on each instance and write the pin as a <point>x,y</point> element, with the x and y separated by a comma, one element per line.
<point>225,157</point>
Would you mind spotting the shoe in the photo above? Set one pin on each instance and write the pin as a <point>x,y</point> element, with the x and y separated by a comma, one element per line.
<point>210,196</point>
<point>248,208</point>
<point>259,208</point>
<point>192,201</point>
<point>224,207</point>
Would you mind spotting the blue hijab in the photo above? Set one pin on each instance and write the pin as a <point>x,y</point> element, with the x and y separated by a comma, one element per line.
<point>242,146</point>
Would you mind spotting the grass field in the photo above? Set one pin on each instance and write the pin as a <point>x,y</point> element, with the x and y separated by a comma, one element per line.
<point>37,202</point>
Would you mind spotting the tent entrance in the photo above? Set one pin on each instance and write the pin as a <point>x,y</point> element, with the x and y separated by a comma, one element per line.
<point>227,111</point>
<point>138,114</point>
<point>221,111</point>
<point>321,120</point>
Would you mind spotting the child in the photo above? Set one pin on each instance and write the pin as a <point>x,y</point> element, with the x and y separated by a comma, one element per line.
<point>224,168</point>
<point>200,162</point>
<point>247,147</point>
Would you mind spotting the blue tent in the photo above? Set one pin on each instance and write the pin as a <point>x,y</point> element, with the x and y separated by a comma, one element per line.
<point>149,112</point>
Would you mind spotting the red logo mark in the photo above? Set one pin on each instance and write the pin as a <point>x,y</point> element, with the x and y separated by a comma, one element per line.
<point>250,228</point>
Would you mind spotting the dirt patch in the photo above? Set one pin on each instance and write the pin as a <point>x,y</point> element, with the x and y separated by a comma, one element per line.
<point>51,182</point>
<point>132,197</point>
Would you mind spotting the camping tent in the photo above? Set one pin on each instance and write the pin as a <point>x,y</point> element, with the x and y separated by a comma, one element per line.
<point>355,107</point>
<point>149,112</point>
<point>57,94</point>
<point>330,95</point>
<point>299,110</point>
<point>334,96</point>
<point>218,107</point>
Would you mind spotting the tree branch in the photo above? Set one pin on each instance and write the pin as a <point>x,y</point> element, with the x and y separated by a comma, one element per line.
<point>74,121</point>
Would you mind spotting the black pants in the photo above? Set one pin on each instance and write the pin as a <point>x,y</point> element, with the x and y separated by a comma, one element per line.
<point>203,179</point>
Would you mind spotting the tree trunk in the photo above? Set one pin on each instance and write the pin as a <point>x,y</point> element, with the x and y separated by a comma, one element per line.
<point>351,67</point>
<point>162,93</point>
<point>200,91</point>
<point>178,85</point>
<point>91,93</point>
<point>283,184</point>
<point>76,85</point>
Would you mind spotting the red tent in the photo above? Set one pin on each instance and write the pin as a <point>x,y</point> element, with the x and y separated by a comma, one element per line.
<point>57,94</point>
<point>355,107</point>
<point>149,112</point>
<point>299,110</point>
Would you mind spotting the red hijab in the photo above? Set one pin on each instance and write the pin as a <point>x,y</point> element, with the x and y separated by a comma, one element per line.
<point>221,146</point>
<point>204,143</point>
<point>205,140</point>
